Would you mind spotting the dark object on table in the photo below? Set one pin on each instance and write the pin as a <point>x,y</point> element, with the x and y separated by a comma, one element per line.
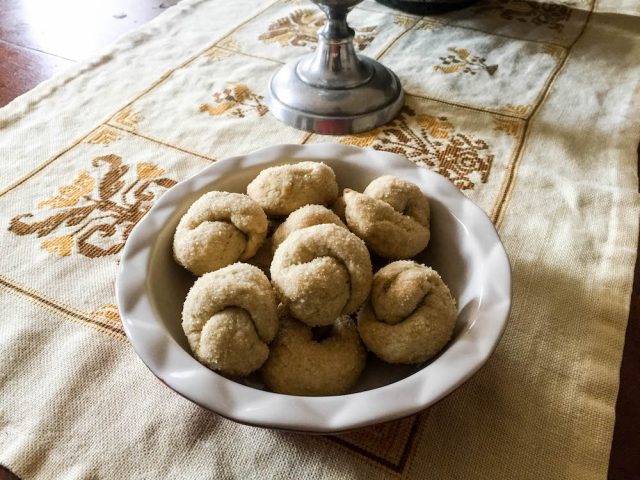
<point>5,474</point>
<point>423,7</point>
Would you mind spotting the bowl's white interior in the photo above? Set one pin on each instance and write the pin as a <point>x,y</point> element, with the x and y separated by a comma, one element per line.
<point>451,251</point>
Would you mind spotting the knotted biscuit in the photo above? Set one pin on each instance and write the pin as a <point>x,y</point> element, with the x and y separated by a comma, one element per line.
<point>322,272</point>
<point>281,190</point>
<point>391,216</point>
<point>300,365</point>
<point>229,318</point>
<point>410,315</point>
<point>304,217</point>
<point>219,229</point>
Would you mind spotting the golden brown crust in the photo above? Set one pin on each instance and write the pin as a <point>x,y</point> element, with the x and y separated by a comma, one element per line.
<point>410,316</point>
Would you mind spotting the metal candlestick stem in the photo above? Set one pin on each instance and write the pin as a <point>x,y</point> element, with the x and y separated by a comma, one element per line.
<point>334,91</point>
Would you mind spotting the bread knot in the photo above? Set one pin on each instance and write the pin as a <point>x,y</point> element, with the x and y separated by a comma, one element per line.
<point>230,317</point>
<point>281,190</point>
<point>322,272</point>
<point>219,229</point>
<point>300,365</point>
<point>391,216</point>
<point>304,217</point>
<point>410,315</point>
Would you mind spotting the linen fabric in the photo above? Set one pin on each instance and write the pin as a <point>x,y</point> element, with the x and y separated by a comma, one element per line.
<point>530,109</point>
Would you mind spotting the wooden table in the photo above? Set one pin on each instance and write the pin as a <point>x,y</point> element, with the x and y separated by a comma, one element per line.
<point>40,38</point>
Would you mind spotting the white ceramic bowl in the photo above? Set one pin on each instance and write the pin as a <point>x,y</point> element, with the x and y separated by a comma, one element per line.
<point>464,249</point>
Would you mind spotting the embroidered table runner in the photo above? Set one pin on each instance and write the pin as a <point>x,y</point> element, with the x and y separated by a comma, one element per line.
<point>531,109</point>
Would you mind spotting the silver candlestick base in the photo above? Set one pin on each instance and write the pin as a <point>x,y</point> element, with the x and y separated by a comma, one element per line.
<point>334,91</point>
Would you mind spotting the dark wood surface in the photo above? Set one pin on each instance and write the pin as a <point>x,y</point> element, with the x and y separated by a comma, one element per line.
<point>21,69</point>
<point>6,474</point>
<point>624,462</point>
<point>73,29</point>
<point>40,38</point>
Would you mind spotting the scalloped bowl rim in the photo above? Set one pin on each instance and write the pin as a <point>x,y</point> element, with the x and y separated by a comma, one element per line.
<point>181,372</point>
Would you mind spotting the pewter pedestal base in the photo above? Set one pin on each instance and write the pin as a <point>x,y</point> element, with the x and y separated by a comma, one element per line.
<point>335,111</point>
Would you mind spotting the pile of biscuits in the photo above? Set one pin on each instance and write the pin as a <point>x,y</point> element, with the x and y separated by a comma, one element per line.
<point>283,269</point>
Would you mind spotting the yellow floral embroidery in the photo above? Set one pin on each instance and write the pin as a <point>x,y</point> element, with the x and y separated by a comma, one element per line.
<point>229,43</point>
<point>434,126</point>
<point>462,61</point>
<point>405,22</point>
<point>433,142</point>
<point>300,29</point>
<point>60,245</point>
<point>104,136</point>
<point>517,110</point>
<point>510,126</point>
<point>70,194</point>
<point>215,53</point>
<point>362,140</point>
<point>94,216</point>
<point>237,100</point>
<point>148,171</point>
<point>108,312</point>
<point>431,23</point>
<point>127,118</point>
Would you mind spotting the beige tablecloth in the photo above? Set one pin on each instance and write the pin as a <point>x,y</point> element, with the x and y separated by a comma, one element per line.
<point>532,110</point>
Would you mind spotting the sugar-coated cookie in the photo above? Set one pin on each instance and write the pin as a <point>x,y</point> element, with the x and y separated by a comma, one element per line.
<point>230,317</point>
<point>321,272</point>
<point>304,217</point>
<point>299,365</point>
<point>391,216</point>
<point>410,314</point>
<point>219,229</point>
<point>283,189</point>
